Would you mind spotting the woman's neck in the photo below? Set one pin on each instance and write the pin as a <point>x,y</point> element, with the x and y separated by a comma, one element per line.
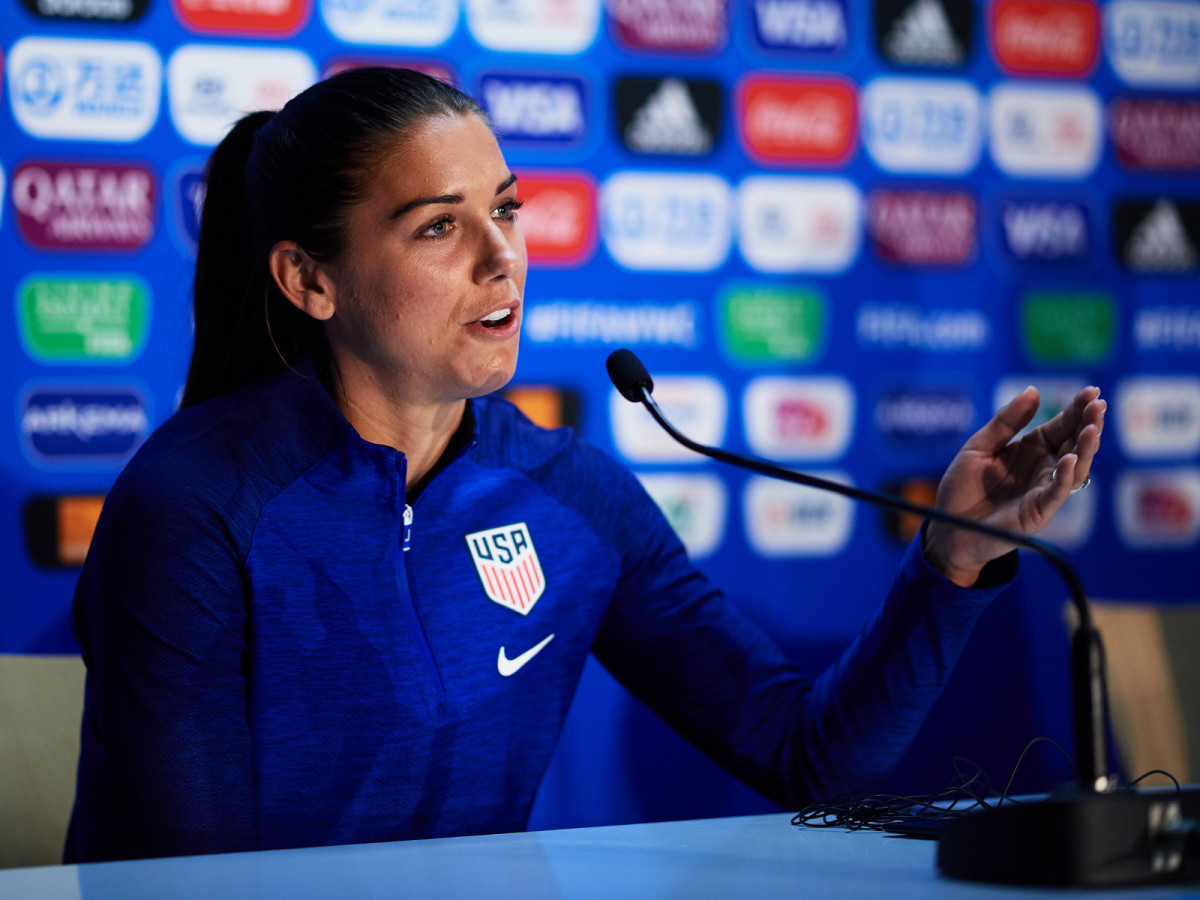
<point>421,431</point>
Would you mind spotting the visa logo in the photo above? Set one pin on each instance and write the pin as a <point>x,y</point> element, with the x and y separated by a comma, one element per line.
<point>812,25</point>
<point>537,109</point>
<point>1038,231</point>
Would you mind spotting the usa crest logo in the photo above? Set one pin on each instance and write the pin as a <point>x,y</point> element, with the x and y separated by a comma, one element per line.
<point>508,566</point>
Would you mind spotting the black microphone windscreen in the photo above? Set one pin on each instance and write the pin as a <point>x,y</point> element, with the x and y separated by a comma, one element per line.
<point>628,374</point>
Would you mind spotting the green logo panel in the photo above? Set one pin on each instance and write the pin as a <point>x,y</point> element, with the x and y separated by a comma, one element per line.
<point>762,323</point>
<point>1070,327</point>
<point>83,317</point>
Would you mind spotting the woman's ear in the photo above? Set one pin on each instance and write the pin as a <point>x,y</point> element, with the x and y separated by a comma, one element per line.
<point>302,280</point>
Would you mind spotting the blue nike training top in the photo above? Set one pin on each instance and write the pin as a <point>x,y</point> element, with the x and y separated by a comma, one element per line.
<point>269,666</point>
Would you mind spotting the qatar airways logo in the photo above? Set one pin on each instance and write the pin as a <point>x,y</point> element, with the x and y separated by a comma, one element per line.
<point>534,26</point>
<point>799,418</point>
<point>1046,132</point>
<point>558,218</point>
<point>922,228</point>
<point>1158,416</point>
<point>1059,38</point>
<point>94,206</point>
<point>398,23</point>
<point>788,224</point>
<point>922,125</point>
<point>786,520</point>
<point>785,120</point>
<point>83,425</point>
<point>1158,508</point>
<point>63,88</point>
<point>548,111</point>
<point>1156,133</point>
<point>272,18</point>
<point>696,404</point>
<point>695,505</point>
<point>210,87</point>
<point>811,26</point>
<point>1153,43</point>
<point>697,26</point>
<point>669,221</point>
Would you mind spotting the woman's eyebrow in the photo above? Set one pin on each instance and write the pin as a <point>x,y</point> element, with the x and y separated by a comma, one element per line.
<point>446,198</point>
<point>506,184</point>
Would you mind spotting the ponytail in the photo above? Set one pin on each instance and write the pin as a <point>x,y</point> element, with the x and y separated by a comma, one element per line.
<point>291,175</point>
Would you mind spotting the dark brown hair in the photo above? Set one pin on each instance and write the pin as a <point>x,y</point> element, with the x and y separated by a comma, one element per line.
<point>291,175</point>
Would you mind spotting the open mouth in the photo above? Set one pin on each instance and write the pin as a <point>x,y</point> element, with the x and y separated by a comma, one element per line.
<point>498,318</point>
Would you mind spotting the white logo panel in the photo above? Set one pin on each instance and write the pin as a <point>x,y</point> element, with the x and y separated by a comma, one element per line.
<point>211,87</point>
<point>923,125</point>
<point>1154,44</point>
<point>784,519</point>
<point>1158,417</point>
<point>1054,393</point>
<point>695,505</point>
<point>1047,132</point>
<point>667,221</point>
<point>788,225</point>
<point>799,418</point>
<point>63,88</point>
<point>400,23</point>
<point>695,404</point>
<point>1158,508</point>
<point>534,26</point>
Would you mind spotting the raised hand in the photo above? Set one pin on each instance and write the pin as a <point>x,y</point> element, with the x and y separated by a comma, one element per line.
<point>1015,484</point>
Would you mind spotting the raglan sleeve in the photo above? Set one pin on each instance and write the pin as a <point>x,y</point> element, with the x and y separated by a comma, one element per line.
<point>160,614</point>
<point>679,645</point>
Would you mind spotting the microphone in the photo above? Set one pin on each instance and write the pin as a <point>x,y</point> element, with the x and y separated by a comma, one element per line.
<point>1031,843</point>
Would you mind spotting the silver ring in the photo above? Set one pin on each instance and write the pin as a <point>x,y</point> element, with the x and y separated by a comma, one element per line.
<point>1080,487</point>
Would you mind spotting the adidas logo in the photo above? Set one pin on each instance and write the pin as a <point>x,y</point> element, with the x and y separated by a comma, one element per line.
<point>668,122</point>
<point>1159,243</point>
<point>922,36</point>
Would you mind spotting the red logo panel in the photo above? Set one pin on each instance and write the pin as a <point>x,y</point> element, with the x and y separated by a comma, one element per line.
<point>1046,37</point>
<point>558,218</point>
<point>1157,134</point>
<point>698,26</point>
<point>265,17</point>
<point>923,228</point>
<point>806,121</point>
<point>84,206</point>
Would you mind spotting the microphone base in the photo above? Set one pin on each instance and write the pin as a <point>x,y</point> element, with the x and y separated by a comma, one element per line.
<point>1079,839</point>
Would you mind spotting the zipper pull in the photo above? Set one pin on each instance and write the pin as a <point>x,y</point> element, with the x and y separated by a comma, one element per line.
<point>408,520</point>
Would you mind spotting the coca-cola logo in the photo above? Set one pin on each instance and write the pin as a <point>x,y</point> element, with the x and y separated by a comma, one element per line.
<point>84,206</point>
<point>930,228</point>
<point>558,217</point>
<point>1046,37</point>
<point>797,120</point>
<point>268,17</point>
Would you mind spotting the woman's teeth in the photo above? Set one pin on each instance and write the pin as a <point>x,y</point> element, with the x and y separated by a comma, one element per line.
<point>495,318</point>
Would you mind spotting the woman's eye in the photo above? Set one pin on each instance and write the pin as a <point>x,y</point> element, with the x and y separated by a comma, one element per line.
<point>509,210</point>
<point>438,228</point>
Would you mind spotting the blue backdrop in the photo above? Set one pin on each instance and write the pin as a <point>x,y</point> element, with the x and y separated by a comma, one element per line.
<point>839,232</point>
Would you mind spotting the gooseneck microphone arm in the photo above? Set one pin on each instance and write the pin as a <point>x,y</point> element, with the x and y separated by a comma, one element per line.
<point>1089,701</point>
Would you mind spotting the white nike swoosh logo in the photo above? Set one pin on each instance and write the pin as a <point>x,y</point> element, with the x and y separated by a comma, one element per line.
<point>508,666</point>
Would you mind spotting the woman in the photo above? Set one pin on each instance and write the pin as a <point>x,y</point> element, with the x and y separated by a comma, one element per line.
<point>286,613</point>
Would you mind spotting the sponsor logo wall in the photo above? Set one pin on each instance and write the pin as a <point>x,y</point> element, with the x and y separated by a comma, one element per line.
<point>839,232</point>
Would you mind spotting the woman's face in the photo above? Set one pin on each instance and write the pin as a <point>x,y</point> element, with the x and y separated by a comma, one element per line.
<point>428,291</point>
